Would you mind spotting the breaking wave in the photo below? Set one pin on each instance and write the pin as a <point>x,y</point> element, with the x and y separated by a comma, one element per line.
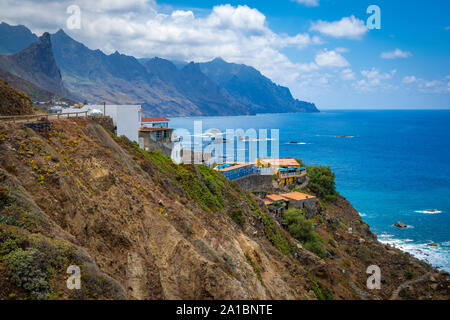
<point>436,256</point>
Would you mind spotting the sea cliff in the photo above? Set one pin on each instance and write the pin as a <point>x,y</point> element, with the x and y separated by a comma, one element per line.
<point>141,227</point>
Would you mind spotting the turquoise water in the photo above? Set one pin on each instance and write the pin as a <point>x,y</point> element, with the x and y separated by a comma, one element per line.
<point>391,165</point>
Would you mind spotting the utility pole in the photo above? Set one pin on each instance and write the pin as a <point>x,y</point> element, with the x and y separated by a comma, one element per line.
<point>104,108</point>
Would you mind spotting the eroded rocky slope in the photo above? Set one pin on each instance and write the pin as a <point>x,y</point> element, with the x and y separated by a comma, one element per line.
<point>13,102</point>
<point>141,227</point>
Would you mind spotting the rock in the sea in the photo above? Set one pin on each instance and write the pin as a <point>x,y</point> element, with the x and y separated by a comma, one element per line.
<point>401,225</point>
<point>432,244</point>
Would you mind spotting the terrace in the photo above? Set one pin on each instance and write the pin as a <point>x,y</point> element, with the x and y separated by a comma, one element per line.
<point>236,171</point>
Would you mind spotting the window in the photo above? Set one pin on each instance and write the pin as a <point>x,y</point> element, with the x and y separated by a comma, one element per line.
<point>160,124</point>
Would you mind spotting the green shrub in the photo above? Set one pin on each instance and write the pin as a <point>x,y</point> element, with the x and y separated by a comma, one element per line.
<point>279,203</point>
<point>316,247</point>
<point>322,292</point>
<point>7,246</point>
<point>10,221</point>
<point>255,268</point>
<point>332,242</point>
<point>237,215</point>
<point>301,163</point>
<point>27,270</point>
<point>322,182</point>
<point>275,235</point>
<point>364,254</point>
<point>303,230</point>
<point>32,261</point>
<point>409,274</point>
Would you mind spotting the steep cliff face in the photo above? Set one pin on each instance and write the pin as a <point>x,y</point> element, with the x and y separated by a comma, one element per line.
<point>142,227</point>
<point>37,65</point>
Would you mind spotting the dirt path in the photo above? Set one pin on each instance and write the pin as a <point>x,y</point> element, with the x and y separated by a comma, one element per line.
<point>37,117</point>
<point>407,284</point>
<point>363,295</point>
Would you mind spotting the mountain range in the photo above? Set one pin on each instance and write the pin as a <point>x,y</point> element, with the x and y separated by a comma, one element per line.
<point>61,65</point>
<point>15,38</point>
<point>37,65</point>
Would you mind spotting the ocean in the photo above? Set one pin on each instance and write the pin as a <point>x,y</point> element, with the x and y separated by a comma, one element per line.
<point>392,165</point>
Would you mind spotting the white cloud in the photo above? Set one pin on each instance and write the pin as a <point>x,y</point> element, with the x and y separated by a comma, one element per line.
<point>341,50</point>
<point>238,34</point>
<point>409,79</point>
<point>436,86</point>
<point>375,74</point>
<point>374,80</point>
<point>137,27</point>
<point>397,53</point>
<point>308,3</point>
<point>112,5</point>
<point>431,84</point>
<point>347,74</point>
<point>347,27</point>
<point>330,59</point>
<point>227,17</point>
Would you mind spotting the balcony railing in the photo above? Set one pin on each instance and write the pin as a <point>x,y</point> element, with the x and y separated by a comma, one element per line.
<point>292,174</point>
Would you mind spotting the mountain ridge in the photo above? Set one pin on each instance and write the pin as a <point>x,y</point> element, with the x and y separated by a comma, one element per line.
<point>37,65</point>
<point>15,38</point>
<point>161,86</point>
<point>249,86</point>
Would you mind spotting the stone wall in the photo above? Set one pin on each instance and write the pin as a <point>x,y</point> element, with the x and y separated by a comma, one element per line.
<point>309,205</point>
<point>164,145</point>
<point>160,146</point>
<point>256,182</point>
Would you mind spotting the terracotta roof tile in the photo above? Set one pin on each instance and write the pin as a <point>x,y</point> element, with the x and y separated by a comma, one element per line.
<point>283,162</point>
<point>297,196</point>
<point>154,119</point>
<point>275,197</point>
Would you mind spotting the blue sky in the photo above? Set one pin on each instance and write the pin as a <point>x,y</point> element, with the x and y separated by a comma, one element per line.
<point>320,49</point>
<point>418,27</point>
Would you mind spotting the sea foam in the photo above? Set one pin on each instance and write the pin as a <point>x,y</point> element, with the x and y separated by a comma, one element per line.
<point>437,256</point>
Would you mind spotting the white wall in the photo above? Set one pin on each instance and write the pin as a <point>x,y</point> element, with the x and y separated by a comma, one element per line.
<point>125,117</point>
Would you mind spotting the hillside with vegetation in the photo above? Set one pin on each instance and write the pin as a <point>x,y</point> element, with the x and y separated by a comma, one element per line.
<point>141,227</point>
<point>13,102</point>
<point>34,92</point>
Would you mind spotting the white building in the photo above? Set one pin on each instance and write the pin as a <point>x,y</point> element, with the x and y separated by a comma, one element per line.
<point>55,109</point>
<point>126,118</point>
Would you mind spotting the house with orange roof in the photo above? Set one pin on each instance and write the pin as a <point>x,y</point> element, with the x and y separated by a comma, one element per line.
<point>295,200</point>
<point>288,170</point>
